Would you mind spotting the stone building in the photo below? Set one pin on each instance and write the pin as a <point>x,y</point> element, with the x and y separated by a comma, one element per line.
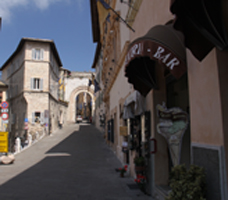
<point>32,74</point>
<point>79,92</point>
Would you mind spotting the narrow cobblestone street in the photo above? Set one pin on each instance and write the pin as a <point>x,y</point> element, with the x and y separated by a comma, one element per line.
<point>73,163</point>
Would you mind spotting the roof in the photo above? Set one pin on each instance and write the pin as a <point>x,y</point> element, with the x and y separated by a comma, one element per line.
<point>94,20</point>
<point>21,44</point>
<point>95,30</point>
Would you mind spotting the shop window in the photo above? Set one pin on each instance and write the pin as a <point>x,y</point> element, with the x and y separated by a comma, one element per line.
<point>177,96</point>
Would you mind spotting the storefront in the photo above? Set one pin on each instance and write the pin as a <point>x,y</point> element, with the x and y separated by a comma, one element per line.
<point>157,62</point>
<point>136,141</point>
<point>193,97</point>
<point>204,26</point>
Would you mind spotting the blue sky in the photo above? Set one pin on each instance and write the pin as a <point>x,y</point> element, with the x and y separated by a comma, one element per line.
<point>67,22</point>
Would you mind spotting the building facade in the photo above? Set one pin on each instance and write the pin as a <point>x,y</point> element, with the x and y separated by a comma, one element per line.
<point>177,64</point>
<point>32,74</point>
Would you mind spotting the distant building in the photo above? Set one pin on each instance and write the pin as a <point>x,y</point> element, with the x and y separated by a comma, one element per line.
<point>32,75</point>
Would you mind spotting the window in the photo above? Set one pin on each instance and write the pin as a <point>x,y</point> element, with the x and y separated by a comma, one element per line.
<point>37,54</point>
<point>36,83</point>
<point>38,117</point>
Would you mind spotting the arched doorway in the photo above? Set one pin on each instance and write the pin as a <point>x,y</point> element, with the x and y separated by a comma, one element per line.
<point>80,92</point>
<point>83,104</point>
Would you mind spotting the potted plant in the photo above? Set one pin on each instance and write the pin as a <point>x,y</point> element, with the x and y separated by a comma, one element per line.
<point>141,181</point>
<point>187,184</point>
<point>139,164</point>
<point>122,170</point>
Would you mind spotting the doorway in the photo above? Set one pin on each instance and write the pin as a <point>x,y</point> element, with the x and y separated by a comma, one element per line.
<point>177,94</point>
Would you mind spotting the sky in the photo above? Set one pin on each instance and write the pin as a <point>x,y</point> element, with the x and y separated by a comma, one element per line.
<point>66,22</point>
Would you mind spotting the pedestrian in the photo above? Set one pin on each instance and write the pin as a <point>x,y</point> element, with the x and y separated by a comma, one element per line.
<point>61,122</point>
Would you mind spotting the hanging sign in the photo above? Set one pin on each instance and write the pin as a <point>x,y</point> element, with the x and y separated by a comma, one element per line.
<point>123,130</point>
<point>172,125</point>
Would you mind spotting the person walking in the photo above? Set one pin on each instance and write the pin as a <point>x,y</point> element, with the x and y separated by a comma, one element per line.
<point>61,121</point>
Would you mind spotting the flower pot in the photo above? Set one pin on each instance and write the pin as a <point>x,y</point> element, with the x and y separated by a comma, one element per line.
<point>121,174</point>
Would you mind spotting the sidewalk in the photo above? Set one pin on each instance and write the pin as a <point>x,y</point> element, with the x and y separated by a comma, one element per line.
<point>74,163</point>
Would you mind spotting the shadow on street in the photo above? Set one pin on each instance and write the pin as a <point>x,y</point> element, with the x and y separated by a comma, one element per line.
<point>79,167</point>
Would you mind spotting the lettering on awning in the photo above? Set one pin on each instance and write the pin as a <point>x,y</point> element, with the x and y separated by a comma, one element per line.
<point>158,52</point>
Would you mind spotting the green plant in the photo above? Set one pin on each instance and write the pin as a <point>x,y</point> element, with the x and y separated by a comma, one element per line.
<point>139,161</point>
<point>187,184</point>
<point>141,181</point>
<point>122,170</point>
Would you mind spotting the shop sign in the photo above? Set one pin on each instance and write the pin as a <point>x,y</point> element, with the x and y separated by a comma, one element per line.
<point>3,142</point>
<point>123,130</point>
<point>172,125</point>
<point>157,52</point>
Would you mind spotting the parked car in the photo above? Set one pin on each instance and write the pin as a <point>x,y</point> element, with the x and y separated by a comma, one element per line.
<point>78,118</point>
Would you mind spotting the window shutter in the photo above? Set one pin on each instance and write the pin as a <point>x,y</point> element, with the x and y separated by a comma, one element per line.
<point>33,118</point>
<point>42,118</point>
<point>41,84</point>
<point>41,54</point>
<point>32,87</point>
<point>33,54</point>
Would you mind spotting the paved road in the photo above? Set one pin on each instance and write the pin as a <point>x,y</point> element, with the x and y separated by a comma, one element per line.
<point>74,163</point>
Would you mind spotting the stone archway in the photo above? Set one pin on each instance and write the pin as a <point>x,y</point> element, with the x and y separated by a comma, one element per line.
<point>72,105</point>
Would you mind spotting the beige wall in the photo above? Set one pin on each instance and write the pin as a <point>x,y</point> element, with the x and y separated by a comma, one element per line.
<point>124,30</point>
<point>155,14</point>
<point>205,100</point>
<point>151,13</point>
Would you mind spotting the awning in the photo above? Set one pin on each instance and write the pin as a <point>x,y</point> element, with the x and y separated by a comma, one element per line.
<point>202,23</point>
<point>134,105</point>
<point>162,44</point>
